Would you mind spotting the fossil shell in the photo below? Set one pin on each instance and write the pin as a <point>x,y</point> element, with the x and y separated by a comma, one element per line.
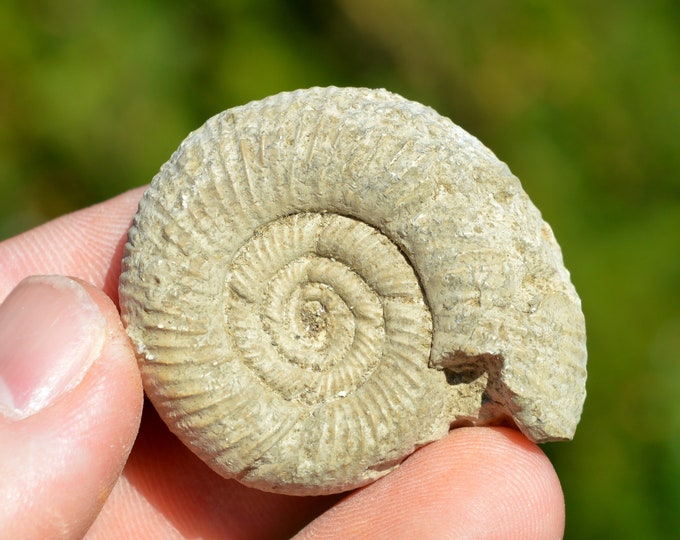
<point>320,282</point>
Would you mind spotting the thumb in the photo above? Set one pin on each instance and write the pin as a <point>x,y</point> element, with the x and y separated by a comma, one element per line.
<point>70,405</point>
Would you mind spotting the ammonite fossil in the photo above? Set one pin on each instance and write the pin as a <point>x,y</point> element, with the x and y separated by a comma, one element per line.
<point>320,282</point>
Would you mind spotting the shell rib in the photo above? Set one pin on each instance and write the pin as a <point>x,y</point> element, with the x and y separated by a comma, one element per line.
<point>320,282</point>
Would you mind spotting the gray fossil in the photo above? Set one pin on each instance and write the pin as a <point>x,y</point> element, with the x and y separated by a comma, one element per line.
<point>323,281</point>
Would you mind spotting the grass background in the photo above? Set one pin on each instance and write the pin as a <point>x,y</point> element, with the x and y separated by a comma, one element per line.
<point>579,98</point>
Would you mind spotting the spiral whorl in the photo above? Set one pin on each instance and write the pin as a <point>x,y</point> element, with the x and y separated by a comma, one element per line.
<point>314,321</point>
<point>305,274</point>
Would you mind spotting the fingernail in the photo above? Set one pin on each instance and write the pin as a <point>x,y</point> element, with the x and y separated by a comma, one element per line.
<point>50,332</point>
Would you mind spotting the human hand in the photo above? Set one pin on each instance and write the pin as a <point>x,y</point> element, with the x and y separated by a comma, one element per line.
<point>70,409</point>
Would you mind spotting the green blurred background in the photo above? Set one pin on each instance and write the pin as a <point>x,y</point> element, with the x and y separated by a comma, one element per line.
<point>579,98</point>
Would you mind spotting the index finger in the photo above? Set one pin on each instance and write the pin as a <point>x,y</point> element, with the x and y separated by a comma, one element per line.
<point>87,244</point>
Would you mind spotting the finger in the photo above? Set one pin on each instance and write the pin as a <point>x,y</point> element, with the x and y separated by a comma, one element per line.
<point>476,483</point>
<point>87,244</point>
<point>70,403</point>
<point>168,492</point>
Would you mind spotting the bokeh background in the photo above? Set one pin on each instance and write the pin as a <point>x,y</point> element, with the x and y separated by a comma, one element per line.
<point>581,99</point>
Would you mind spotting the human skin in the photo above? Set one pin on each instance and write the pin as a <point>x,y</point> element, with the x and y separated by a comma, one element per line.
<point>84,461</point>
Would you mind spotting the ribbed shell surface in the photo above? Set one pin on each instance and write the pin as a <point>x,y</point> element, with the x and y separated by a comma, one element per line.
<point>306,271</point>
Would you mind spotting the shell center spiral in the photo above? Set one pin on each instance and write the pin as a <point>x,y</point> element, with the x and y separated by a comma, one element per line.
<point>314,303</point>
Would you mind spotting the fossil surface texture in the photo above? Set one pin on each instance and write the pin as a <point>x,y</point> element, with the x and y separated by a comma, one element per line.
<point>320,282</point>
